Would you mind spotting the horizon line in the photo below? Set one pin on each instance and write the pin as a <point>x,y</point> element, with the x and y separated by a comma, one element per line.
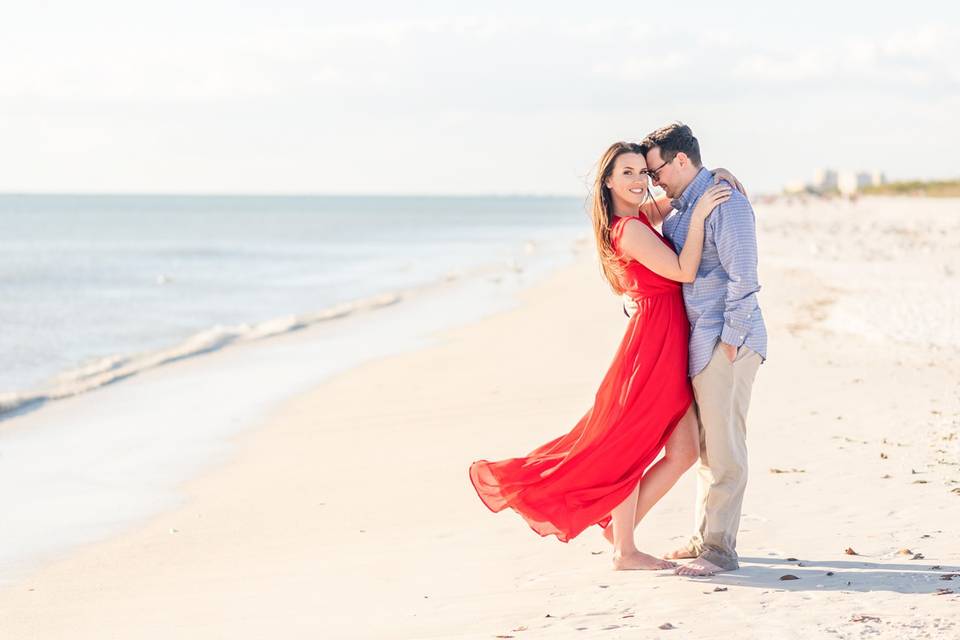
<point>287,194</point>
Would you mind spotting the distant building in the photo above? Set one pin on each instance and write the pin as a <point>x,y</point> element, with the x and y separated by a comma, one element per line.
<point>824,180</point>
<point>795,187</point>
<point>850,182</point>
<point>830,181</point>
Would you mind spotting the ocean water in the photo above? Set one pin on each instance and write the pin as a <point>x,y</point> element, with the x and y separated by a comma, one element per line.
<point>94,289</point>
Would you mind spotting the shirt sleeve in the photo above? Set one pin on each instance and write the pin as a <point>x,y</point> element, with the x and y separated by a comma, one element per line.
<point>735,234</point>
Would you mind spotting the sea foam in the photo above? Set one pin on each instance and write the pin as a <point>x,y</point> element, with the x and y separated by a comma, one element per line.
<point>113,368</point>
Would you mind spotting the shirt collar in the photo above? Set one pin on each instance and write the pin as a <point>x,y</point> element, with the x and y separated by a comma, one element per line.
<point>694,190</point>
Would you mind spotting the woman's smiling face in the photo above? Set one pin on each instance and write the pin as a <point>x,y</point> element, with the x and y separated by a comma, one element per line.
<point>628,186</point>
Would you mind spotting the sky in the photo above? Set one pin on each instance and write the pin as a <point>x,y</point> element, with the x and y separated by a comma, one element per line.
<point>464,98</point>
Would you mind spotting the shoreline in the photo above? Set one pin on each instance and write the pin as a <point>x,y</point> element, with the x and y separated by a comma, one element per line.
<point>117,367</point>
<point>347,511</point>
<point>145,280</point>
<point>77,472</point>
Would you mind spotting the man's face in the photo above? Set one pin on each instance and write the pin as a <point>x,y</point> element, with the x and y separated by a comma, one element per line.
<point>663,174</point>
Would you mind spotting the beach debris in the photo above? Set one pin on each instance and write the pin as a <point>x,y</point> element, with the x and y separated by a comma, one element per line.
<point>789,576</point>
<point>883,455</point>
<point>596,553</point>
<point>829,573</point>
<point>886,476</point>
<point>849,439</point>
<point>522,627</point>
<point>791,559</point>
<point>859,617</point>
<point>800,564</point>
<point>791,470</point>
<point>549,616</point>
<point>950,576</point>
<point>917,556</point>
<point>719,589</point>
<point>955,490</point>
<point>850,552</point>
<point>628,615</point>
<point>174,530</point>
<point>666,626</point>
<point>603,586</point>
<point>935,567</point>
<point>926,535</point>
<point>942,591</point>
<point>919,482</point>
<point>905,552</point>
<point>504,635</point>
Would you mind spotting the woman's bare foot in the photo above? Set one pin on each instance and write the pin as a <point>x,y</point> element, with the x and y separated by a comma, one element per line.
<point>682,553</point>
<point>640,561</point>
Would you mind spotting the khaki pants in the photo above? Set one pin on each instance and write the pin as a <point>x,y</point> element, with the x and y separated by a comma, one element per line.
<point>722,392</point>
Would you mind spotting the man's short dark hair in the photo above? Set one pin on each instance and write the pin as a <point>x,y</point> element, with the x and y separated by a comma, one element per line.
<point>672,139</point>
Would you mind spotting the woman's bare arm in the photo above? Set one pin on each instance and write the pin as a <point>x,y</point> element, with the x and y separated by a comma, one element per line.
<point>724,174</point>
<point>643,245</point>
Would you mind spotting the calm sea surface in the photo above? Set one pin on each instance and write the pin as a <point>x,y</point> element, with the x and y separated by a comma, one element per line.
<point>89,281</point>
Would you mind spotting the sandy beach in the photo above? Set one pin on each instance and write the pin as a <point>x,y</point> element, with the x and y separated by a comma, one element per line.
<point>347,512</point>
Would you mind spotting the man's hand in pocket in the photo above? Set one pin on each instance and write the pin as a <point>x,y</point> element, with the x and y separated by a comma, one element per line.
<point>729,350</point>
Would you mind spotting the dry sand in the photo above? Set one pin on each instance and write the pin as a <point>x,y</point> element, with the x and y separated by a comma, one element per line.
<point>350,515</point>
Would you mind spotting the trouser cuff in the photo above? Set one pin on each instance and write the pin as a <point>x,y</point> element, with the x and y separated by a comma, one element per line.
<point>725,561</point>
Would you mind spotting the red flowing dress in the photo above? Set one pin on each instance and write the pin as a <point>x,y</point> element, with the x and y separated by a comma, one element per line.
<point>573,481</point>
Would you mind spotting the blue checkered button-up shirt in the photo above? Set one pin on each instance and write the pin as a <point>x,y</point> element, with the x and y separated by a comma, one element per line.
<point>722,301</point>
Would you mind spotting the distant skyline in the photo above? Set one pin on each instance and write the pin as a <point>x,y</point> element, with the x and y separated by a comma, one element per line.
<point>380,98</point>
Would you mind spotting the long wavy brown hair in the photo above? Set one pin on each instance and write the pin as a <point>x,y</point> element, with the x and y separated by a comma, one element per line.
<point>612,265</point>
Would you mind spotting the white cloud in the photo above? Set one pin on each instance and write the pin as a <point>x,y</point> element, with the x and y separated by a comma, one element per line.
<point>274,107</point>
<point>923,57</point>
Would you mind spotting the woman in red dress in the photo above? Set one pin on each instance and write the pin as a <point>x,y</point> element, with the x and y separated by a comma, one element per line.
<point>597,473</point>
